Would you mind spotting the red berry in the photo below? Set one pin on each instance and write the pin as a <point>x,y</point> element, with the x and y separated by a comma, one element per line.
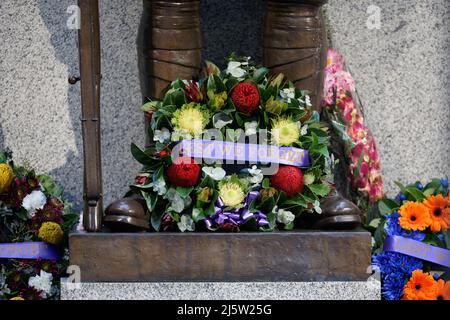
<point>288,179</point>
<point>245,97</point>
<point>184,172</point>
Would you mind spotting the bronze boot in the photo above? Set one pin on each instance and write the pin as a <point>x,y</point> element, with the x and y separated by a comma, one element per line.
<point>127,215</point>
<point>169,47</point>
<point>338,213</point>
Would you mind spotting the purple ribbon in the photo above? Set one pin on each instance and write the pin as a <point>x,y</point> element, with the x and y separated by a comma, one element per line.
<point>29,250</point>
<point>233,151</point>
<point>418,250</point>
<point>236,216</point>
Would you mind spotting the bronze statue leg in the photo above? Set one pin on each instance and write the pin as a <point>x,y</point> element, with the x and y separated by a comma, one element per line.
<point>169,47</point>
<point>169,44</point>
<point>294,43</point>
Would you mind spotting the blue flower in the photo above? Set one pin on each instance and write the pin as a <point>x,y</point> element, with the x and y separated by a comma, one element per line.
<point>419,186</point>
<point>393,284</point>
<point>393,262</point>
<point>395,269</point>
<point>400,197</point>
<point>393,228</point>
<point>444,182</point>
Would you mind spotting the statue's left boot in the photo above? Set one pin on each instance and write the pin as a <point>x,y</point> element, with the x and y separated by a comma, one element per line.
<point>128,214</point>
<point>338,213</point>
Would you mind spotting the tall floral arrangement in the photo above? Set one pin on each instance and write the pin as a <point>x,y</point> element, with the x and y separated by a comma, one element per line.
<point>412,239</point>
<point>32,209</point>
<point>239,103</point>
<point>348,121</point>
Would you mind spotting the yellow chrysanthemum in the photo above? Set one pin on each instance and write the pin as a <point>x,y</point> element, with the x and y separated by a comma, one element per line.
<point>231,194</point>
<point>191,118</point>
<point>17,298</point>
<point>285,131</point>
<point>6,176</point>
<point>51,232</point>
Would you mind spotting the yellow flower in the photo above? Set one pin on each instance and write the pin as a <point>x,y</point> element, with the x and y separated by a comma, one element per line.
<point>17,298</point>
<point>217,100</point>
<point>285,131</point>
<point>51,232</point>
<point>6,176</point>
<point>231,194</point>
<point>191,118</point>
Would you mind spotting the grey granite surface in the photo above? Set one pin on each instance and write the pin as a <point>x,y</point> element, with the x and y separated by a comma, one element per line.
<point>369,290</point>
<point>402,74</point>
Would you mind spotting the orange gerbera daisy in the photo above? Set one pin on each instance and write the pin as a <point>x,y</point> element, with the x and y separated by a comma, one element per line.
<point>443,290</point>
<point>440,216</point>
<point>414,216</point>
<point>421,286</point>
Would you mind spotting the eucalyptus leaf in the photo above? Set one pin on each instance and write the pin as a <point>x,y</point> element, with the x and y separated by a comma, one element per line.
<point>140,155</point>
<point>156,219</point>
<point>386,206</point>
<point>184,192</point>
<point>320,190</point>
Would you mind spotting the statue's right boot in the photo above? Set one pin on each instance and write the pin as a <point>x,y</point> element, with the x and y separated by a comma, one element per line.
<point>169,47</point>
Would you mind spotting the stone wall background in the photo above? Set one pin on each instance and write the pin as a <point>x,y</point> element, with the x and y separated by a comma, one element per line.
<point>401,70</point>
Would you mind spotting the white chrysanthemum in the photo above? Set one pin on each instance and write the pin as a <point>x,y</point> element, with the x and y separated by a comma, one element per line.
<point>285,217</point>
<point>231,194</point>
<point>285,131</point>
<point>186,223</point>
<point>42,282</point>
<point>34,201</point>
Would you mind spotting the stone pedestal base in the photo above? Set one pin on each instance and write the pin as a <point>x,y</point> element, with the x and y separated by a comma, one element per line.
<point>355,290</point>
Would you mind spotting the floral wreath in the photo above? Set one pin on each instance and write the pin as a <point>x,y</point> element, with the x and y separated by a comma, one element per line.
<point>418,219</point>
<point>33,214</point>
<point>239,102</point>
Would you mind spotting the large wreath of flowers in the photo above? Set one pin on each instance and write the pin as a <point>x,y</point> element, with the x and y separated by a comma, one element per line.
<point>240,101</point>
<point>32,209</point>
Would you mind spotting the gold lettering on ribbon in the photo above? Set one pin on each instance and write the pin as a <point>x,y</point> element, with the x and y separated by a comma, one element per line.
<point>240,152</point>
<point>34,249</point>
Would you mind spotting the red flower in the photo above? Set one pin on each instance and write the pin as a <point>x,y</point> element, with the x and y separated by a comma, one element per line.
<point>140,179</point>
<point>288,179</point>
<point>184,172</point>
<point>192,92</point>
<point>164,153</point>
<point>245,97</point>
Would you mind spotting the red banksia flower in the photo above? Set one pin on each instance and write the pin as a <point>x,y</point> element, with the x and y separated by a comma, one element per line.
<point>245,97</point>
<point>184,172</point>
<point>288,179</point>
